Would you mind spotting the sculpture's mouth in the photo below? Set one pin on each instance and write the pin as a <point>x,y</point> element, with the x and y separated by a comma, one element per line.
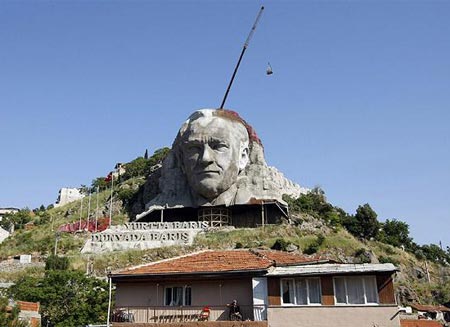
<point>208,172</point>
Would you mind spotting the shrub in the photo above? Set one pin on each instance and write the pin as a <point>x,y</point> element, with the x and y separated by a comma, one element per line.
<point>126,195</point>
<point>55,262</point>
<point>311,249</point>
<point>362,255</point>
<point>238,245</point>
<point>280,245</point>
<point>383,259</point>
<point>315,245</point>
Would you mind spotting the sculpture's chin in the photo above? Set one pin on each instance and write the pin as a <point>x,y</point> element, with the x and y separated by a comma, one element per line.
<point>210,188</point>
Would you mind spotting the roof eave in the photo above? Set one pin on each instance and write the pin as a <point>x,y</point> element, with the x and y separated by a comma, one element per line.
<point>240,273</point>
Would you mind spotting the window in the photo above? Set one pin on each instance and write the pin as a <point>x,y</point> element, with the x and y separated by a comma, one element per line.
<point>356,290</point>
<point>177,295</point>
<point>301,291</point>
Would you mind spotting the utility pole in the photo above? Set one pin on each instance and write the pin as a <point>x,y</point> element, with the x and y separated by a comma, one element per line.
<point>111,202</point>
<point>89,211</point>
<point>109,297</point>
<point>428,271</point>
<point>81,214</point>
<point>57,236</point>
<point>96,210</point>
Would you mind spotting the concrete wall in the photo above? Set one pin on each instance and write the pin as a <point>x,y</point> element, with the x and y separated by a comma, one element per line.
<point>3,234</point>
<point>336,316</point>
<point>212,293</point>
<point>67,195</point>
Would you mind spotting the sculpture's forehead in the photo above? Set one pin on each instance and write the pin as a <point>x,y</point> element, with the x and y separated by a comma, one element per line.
<point>215,128</point>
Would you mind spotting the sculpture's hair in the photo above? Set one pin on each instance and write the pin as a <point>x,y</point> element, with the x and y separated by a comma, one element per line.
<point>233,115</point>
<point>225,114</point>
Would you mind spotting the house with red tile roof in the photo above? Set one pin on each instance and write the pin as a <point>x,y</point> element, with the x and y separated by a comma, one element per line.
<point>273,287</point>
<point>434,312</point>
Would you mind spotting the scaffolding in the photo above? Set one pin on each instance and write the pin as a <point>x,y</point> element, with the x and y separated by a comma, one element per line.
<point>216,217</point>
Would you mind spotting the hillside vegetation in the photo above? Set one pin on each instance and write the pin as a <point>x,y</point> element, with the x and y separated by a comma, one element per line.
<point>317,227</point>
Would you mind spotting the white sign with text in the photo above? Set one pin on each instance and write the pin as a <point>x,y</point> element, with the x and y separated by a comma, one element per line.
<point>141,235</point>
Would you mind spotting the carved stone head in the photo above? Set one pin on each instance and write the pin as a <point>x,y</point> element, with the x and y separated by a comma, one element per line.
<point>216,159</point>
<point>213,149</point>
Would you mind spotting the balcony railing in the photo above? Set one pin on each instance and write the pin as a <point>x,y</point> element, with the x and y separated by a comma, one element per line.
<point>165,314</point>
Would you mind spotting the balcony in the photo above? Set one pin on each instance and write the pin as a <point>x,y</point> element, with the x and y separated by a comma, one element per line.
<point>127,316</point>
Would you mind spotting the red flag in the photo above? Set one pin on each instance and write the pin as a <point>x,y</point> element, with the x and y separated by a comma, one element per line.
<point>109,177</point>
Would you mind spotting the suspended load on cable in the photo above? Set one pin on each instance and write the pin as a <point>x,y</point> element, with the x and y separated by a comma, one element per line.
<point>269,70</point>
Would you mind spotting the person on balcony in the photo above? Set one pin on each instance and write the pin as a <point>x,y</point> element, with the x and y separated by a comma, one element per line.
<point>235,311</point>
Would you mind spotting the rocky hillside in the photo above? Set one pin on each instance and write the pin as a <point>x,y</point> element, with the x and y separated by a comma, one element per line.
<point>315,227</point>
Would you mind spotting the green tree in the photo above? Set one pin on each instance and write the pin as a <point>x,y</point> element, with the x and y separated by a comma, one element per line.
<point>41,208</point>
<point>99,182</point>
<point>396,233</point>
<point>315,204</point>
<point>142,166</point>
<point>83,189</point>
<point>18,219</point>
<point>364,223</point>
<point>135,168</point>
<point>434,253</point>
<point>68,298</point>
<point>159,155</point>
<point>126,195</point>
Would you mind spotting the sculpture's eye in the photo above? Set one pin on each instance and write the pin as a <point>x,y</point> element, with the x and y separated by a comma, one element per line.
<point>219,146</point>
<point>194,148</point>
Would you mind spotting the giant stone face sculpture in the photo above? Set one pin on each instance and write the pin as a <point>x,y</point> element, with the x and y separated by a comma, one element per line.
<point>213,150</point>
<point>217,159</point>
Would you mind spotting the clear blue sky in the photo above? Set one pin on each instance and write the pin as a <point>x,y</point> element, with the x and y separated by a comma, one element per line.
<point>359,102</point>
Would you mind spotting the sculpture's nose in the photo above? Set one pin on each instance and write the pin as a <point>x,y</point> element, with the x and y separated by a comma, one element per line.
<point>207,155</point>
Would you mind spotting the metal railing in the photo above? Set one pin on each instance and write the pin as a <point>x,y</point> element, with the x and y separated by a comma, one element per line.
<point>165,314</point>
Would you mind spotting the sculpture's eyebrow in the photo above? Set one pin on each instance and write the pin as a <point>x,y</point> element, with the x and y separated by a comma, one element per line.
<point>205,139</point>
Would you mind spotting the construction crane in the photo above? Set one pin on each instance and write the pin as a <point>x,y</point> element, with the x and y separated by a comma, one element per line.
<point>247,41</point>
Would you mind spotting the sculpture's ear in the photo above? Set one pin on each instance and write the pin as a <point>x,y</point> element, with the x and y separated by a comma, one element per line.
<point>243,155</point>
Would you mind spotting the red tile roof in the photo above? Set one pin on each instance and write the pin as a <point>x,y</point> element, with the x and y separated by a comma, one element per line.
<point>280,258</point>
<point>28,306</point>
<point>429,308</point>
<point>420,323</point>
<point>219,261</point>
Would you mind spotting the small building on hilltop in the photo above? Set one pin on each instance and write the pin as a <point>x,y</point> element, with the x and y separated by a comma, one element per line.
<point>271,287</point>
<point>67,195</point>
<point>4,211</point>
